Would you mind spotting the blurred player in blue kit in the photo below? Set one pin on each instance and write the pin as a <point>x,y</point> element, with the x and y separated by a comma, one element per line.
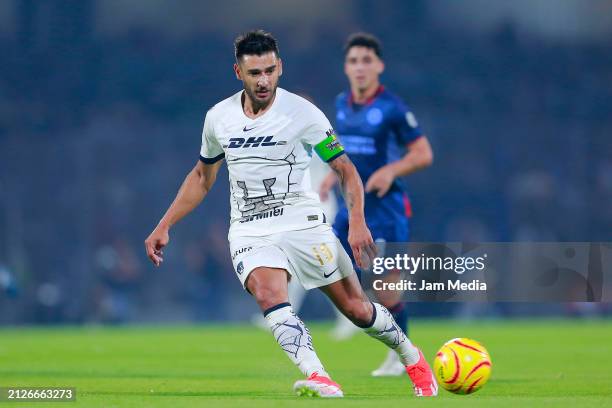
<point>383,139</point>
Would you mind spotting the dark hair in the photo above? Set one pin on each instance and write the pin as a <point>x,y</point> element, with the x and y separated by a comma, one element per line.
<point>363,40</point>
<point>257,42</point>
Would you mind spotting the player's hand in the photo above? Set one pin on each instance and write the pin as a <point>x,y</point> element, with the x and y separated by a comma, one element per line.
<point>362,244</point>
<point>380,181</point>
<point>158,239</point>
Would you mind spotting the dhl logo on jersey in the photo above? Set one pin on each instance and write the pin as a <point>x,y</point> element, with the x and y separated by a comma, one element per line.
<point>254,141</point>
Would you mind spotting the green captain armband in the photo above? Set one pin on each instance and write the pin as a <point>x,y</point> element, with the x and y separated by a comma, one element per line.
<point>330,148</point>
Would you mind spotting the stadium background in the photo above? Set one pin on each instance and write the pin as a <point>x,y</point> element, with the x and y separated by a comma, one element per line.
<point>102,103</point>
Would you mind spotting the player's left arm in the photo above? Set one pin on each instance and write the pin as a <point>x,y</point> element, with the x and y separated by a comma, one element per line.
<point>359,236</point>
<point>327,146</point>
<point>419,156</point>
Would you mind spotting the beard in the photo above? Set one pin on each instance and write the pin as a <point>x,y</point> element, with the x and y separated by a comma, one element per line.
<point>258,100</point>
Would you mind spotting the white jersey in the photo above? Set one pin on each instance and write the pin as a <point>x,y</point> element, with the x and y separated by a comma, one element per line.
<point>268,159</point>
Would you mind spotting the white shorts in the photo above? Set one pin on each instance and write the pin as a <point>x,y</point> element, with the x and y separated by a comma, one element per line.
<point>314,256</point>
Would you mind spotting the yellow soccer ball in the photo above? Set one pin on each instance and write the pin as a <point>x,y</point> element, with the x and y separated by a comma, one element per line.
<point>462,366</point>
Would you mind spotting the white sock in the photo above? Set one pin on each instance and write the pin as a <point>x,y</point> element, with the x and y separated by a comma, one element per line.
<point>293,337</point>
<point>387,331</point>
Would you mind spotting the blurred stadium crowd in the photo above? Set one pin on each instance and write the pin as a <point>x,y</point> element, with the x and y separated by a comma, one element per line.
<point>98,131</point>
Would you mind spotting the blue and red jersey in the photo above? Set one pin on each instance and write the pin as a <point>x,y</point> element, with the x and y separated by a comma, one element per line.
<point>375,134</point>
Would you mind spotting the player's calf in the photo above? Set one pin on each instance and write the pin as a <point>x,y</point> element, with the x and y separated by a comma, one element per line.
<point>358,311</point>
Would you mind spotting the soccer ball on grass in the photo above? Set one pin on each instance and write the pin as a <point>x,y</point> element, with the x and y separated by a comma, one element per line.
<point>462,366</point>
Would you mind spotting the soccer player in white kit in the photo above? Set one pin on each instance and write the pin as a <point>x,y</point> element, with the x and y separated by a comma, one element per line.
<point>278,230</point>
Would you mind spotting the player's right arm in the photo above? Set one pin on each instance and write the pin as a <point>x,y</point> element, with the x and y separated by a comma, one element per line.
<point>193,190</point>
<point>195,187</point>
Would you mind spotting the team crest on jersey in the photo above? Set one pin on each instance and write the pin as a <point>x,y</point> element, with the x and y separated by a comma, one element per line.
<point>374,116</point>
<point>240,268</point>
<point>412,122</point>
<point>257,199</point>
<point>256,206</point>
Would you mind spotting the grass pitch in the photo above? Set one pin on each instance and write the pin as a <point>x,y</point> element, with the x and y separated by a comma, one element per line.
<point>535,363</point>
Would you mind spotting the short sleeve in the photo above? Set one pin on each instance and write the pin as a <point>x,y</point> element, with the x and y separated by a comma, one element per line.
<point>405,125</point>
<point>321,136</point>
<point>211,151</point>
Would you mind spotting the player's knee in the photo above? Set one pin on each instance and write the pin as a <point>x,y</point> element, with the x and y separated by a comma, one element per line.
<point>266,297</point>
<point>358,312</point>
<point>267,292</point>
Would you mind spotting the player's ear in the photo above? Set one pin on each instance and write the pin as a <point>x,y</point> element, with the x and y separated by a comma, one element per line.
<point>381,68</point>
<point>280,67</point>
<point>237,71</point>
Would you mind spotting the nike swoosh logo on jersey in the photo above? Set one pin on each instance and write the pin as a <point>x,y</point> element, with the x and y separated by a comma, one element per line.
<point>246,130</point>
<point>327,275</point>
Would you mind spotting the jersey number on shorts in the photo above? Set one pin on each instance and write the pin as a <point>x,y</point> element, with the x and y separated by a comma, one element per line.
<point>322,253</point>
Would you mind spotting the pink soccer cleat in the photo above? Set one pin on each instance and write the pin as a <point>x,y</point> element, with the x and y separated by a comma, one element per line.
<point>317,386</point>
<point>422,378</point>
